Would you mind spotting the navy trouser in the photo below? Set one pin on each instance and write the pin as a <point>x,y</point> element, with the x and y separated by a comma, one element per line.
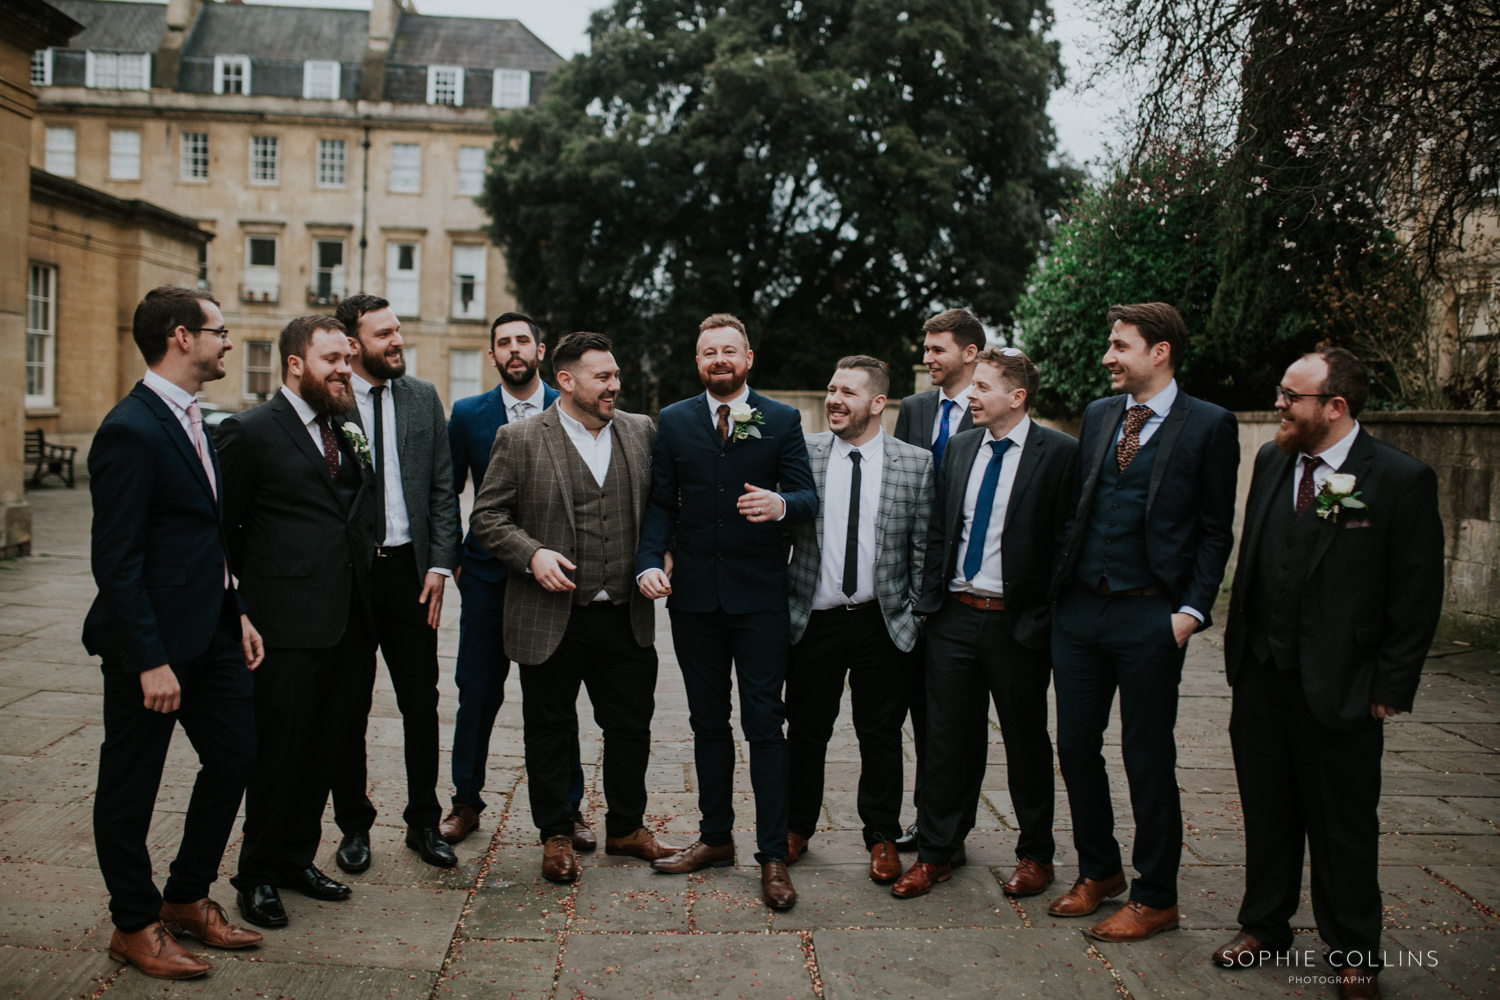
<point>480,672</point>
<point>706,643</point>
<point>217,713</point>
<point>1100,644</point>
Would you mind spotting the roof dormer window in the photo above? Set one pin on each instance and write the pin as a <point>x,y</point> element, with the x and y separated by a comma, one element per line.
<point>320,80</point>
<point>117,70</point>
<point>231,74</point>
<point>512,88</point>
<point>445,85</point>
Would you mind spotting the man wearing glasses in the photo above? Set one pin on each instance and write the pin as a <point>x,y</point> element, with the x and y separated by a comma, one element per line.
<point>1336,598</point>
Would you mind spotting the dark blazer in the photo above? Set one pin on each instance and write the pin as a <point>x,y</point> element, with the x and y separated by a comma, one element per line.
<point>722,559</point>
<point>1189,504</point>
<point>1374,591</point>
<point>295,547</point>
<point>915,419</point>
<point>158,544</point>
<point>1035,521</point>
<point>471,437</point>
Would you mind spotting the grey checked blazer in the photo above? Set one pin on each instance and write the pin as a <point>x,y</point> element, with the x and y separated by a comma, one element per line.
<point>526,503</point>
<point>906,488</point>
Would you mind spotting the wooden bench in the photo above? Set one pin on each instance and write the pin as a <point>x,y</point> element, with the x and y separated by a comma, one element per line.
<point>50,459</point>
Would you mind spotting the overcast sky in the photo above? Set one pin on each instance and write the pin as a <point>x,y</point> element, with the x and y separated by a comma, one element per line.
<point>1085,122</point>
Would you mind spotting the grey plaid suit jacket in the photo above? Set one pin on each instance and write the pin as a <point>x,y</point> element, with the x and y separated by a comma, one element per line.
<point>906,488</point>
<point>526,503</point>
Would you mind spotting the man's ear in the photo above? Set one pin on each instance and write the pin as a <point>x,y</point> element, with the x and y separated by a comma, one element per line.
<point>541,350</point>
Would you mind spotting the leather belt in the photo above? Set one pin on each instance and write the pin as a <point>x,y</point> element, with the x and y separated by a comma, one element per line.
<point>849,607</point>
<point>977,602</point>
<point>387,551</point>
<point>1102,589</point>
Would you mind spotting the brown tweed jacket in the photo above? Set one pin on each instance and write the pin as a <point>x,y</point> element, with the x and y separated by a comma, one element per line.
<point>526,503</point>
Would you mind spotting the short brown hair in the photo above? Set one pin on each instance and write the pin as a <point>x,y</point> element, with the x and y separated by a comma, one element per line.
<point>163,310</point>
<point>718,320</point>
<point>297,336</point>
<point>1157,321</point>
<point>966,329</point>
<point>877,371</point>
<point>1016,368</point>
<point>1347,377</point>
<point>351,309</point>
<point>574,346</point>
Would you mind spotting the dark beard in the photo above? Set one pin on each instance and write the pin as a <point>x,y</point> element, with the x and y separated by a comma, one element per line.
<point>527,374</point>
<point>323,399</point>
<point>733,390</point>
<point>1301,437</point>
<point>855,427</point>
<point>380,365</point>
<point>592,408</point>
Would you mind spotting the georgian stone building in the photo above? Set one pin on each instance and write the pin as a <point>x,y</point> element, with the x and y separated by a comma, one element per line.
<point>327,151</point>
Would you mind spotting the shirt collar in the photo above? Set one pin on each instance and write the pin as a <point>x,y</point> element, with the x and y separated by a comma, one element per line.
<point>714,404</point>
<point>172,391</point>
<point>362,388</point>
<point>1336,454</point>
<point>962,399</point>
<point>1161,403</point>
<point>577,429</point>
<point>1017,435</point>
<point>868,452</point>
<point>535,399</point>
<point>304,412</point>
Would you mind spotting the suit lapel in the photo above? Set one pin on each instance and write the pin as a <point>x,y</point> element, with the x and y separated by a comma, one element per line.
<point>889,476</point>
<point>1108,425</point>
<point>927,409</point>
<point>292,424</point>
<point>1358,466</point>
<point>709,413</point>
<point>965,422</point>
<point>173,429</point>
<point>962,455</point>
<point>637,456</point>
<point>555,439</point>
<point>1259,505</point>
<point>817,460</point>
<point>403,416</point>
<point>1031,457</point>
<point>346,452</point>
<point>1171,429</point>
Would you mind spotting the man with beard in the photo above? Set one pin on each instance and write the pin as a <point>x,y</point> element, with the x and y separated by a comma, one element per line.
<point>718,461</point>
<point>1337,595</point>
<point>516,349</point>
<point>1143,564</point>
<point>175,642</point>
<point>854,582</point>
<point>300,521</point>
<point>416,535</point>
<point>561,505</point>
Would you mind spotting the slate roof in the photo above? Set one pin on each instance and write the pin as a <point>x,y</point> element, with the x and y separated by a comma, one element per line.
<point>478,43</point>
<point>109,25</point>
<point>279,33</point>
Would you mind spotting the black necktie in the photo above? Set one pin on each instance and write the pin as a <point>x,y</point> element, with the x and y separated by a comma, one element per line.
<point>851,538</point>
<point>379,451</point>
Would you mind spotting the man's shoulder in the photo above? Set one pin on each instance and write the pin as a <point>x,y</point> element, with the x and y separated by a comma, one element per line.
<point>256,416</point>
<point>1055,439</point>
<point>1203,410</point>
<point>918,397</point>
<point>1391,458</point>
<point>824,440</point>
<point>680,410</point>
<point>911,457</point>
<point>635,421</point>
<point>774,409</point>
<point>471,406</point>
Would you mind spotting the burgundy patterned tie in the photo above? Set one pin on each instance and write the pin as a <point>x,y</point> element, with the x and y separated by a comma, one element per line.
<point>723,422</point>
<point>330,445</point>
<point>1307,490</point>
<point>1130,444</point>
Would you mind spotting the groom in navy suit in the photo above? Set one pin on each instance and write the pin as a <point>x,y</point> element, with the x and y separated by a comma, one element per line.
<point>516,349</point>
<point>730,477</point>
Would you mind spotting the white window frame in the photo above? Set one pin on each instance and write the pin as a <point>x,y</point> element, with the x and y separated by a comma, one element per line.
<point>41,68</point>
<point>203,280</point>
<point>401,290</point>
<point>328,161</point>
<point>433,73</point>
<point>268,370</point>
<point>41,332</point>
<point>462,383</point>
<point>511,88</point>
<point>406,178</point>
<point>410,353</point>
<point>106,70</point>
<point>475,178</point>
<point>124,163</point>
<point>54,153</point>
<point>310,67</point>
<point>337,287</point>
<point>262,278</point>
<point>192,156</point>
<point>273,143</point>
<point>474,309</point>
<point>222,63</point>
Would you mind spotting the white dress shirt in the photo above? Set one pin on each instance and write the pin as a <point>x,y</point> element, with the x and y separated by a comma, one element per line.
<point>1333,457</point>
<point>307,415</point>
<point>176,397</point>
<point>837,479</point>
<point>989,582</point>
<point>397,520</point>
<point>955,416</point>
<point>517,409</point>
<point>1161,405</point>
<point>594,451</point>
<point>713,411</point>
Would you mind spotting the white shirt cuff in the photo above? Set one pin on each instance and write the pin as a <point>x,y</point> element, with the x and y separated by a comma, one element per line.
<point>784,507</point>
<point>1185,610</point>
<point>441,572</point>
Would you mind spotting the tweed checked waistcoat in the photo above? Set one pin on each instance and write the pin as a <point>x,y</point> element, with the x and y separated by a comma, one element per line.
<point>605,529</point>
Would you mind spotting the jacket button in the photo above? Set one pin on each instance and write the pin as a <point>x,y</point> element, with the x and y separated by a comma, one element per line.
<point>348,565</point>
<point>721,557</point>
<point>721,522</point>
<point>721,487</point>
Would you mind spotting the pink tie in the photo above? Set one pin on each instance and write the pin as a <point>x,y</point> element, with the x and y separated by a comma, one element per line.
<point>195,416</point>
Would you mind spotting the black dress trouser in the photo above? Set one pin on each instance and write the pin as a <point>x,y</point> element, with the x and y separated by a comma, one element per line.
<point>972,658</point>
<point>857,643</point>
<point>1301,780</point>
<point>598,650</point>
<point>217,714</point>
<point>409,646</point>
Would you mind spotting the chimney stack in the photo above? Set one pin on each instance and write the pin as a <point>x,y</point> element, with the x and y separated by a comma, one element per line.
<point>180,17</point>
<point>385,19</point>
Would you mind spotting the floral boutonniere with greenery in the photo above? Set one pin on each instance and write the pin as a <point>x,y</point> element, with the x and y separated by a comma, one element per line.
<point>1337,493</point>
<point>746,421</point>
<point>357,441</point>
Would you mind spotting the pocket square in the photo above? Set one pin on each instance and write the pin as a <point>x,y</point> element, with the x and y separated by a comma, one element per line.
<point>1357,522</point>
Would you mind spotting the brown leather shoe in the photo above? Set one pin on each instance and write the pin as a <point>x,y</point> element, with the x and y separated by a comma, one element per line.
<point>206,921</point>
<point>885,863</point>
<point>796,845</point>
<point>919,879</point>
<point>776,886</point>
<point>697,856</point>
<point>156,952</point>
<point>1134,922</point>
<point>461,822</point>
<point>1242,952</point>
<point>583,836</point>
<point>640,844</point>
<point>1086,895</point>
<point>1029,878</point>
<point>1359,984</point>
<point>558,862</point>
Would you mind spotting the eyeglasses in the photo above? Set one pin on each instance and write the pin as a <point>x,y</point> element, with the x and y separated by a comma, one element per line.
<point>1292,398</point>
<point>218,331</point>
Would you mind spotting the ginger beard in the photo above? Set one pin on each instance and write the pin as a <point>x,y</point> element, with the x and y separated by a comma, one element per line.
<point>326,395</point>
<point>1301,433</point>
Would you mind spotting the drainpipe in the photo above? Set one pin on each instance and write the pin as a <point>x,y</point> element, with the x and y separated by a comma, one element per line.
<point>364,208</point>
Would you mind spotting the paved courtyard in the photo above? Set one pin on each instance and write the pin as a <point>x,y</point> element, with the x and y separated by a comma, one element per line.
<point>491,928</point>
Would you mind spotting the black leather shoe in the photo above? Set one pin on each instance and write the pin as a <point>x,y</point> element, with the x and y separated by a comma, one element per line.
<point>427,842</point>
<point>960,858</point>
<point>354,853</point>
<point>311,882</point>
<point>908,840</point>
<point>261,906</point>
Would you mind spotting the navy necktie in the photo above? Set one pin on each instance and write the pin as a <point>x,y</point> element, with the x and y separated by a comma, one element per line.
<point>941,444</point>
<point>974,554</point>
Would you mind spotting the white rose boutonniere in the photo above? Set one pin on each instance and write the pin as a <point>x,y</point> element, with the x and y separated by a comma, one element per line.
<point>357,441</point>
<point>746,420</point>
<point>1337,493</point>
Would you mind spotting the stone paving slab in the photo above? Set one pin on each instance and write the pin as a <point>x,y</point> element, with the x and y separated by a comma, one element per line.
<point>64,975</point>
<point>632,899</point>
<point>501,970</point>
<point>1469,961</point>
<point>238,977</point>
<point>844,897</point>
<point>685,967</point>
<point>54,907</point>
<point>1479,882</point>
